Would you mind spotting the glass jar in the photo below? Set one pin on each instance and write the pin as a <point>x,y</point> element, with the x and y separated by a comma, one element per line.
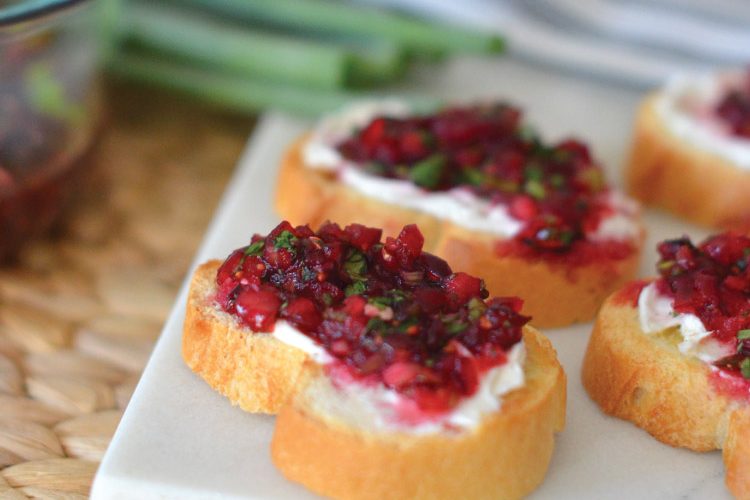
<point>49,111</point>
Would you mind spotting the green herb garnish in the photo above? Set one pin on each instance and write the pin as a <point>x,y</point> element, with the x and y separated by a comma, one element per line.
<point>472,176</point>
<point>285,240</point>
<point>743,334</point>
<point>745,368</point>
<point>255,249</point>
<point>455,327</point>
<point>380,302</point>
<point>476,308</point>
<point>356,288</point>
<point>427,172</point>
<point>535,189</point>
<point>376,325</point>
<point>355,265</point>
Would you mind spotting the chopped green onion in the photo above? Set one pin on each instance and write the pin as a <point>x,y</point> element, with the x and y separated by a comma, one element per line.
<point>745,368</point>
<point>248,52</point>
<point>743,334</point>
<point>256,248</point>
<point>427,173</point>
<point>419,37</point>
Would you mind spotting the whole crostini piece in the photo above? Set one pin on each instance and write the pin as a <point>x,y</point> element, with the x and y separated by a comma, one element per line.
<point>672,354</point>
<point>691,149</point>
<point>392,375</point>
<point>536,220</point>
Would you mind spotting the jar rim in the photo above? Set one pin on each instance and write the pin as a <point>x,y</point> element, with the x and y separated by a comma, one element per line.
<point>30,10</point>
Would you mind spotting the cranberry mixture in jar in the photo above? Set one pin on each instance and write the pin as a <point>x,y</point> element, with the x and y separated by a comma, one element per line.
<point>733,110</point>
<point>386,312</point>
<point>712,281</point>
<point>557,192</point>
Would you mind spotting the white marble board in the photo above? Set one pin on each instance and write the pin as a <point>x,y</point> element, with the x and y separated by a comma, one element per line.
<point>180,439</point>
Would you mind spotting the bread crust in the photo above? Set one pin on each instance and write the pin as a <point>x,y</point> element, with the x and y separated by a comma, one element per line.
<point>255,371</point>
<point>646,380</point>
<point>555,294</point>
<point>505,457</point>
<point>668,172</point>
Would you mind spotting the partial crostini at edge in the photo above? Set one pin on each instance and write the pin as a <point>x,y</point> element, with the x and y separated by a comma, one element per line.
<point>691,149</point>
<point>534,220</point>
<point>392,375</point>
<point>672,354</point>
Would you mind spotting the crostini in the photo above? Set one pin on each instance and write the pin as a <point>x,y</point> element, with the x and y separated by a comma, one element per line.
<point>672,354</point>
<point>392,375</point>
<point>536,221</point>
<point>691,149</point>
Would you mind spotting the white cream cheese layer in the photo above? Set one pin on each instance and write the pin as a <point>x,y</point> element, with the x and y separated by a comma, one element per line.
<point>379,408</point>
<point>657,314</point>
<point>458,205</point>
<point>686,108</point>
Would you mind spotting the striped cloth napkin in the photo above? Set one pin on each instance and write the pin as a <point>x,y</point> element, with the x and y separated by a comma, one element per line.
<point>637,42</point>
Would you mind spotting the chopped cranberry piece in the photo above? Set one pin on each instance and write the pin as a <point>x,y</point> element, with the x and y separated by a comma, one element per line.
<point>462,287</point>
<point>230,266</point>
<point>258,308</point>
<point>363,237</point>
<point>302,313</point>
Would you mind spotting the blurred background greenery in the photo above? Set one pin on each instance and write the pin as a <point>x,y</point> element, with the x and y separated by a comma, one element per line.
<point>303,56</point>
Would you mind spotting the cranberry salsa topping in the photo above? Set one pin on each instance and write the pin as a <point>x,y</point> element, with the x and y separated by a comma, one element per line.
<point>386,312</point>
<point>712,281</point>
<point>556,191</point>
<point>734,108</point>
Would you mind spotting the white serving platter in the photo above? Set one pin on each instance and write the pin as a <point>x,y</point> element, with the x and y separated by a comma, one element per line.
<point>180,439</point>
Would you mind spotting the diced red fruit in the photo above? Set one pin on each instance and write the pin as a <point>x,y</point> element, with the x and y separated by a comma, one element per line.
<point>435,267</point>
<point>547,232</point>
<point>302,313</point>
<point>283,226</point>
<point>727,248</point>
<point>434,400</point>
<point>523,208</point>
<point>363,237</point>
<point>411,241</point>
<point>280,258</point>
<point>354,305</point>
<point>462,287</point>
<point>253,266</point>
<point>258,308</point>
<point>230,266</point>
<point>400,374</point>
<point>430,299</point>
<point>467,372</point>
<point>374,132</point>
<point>577,148</point>
<point>413,145</point>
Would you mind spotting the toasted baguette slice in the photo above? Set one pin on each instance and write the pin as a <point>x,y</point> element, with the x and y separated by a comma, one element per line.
<point>506,456</point>
<point>255,371</point>
<point>554,294</point>
<point>645,379</point>
<point>668,172</point>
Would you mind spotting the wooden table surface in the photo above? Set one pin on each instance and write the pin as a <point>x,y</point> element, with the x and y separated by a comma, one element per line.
<point>80,311</point>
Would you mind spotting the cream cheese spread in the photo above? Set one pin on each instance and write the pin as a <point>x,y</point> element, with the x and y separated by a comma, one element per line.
<point>656,314</point>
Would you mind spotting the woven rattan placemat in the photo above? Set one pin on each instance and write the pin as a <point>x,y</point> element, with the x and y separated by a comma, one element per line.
<point>80,312</point>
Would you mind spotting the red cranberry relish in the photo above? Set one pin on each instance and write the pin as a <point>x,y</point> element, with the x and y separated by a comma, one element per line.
<point>712,281</point>
<point>387,311</point>
<point>555,190</point>
<point>734,109</point>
